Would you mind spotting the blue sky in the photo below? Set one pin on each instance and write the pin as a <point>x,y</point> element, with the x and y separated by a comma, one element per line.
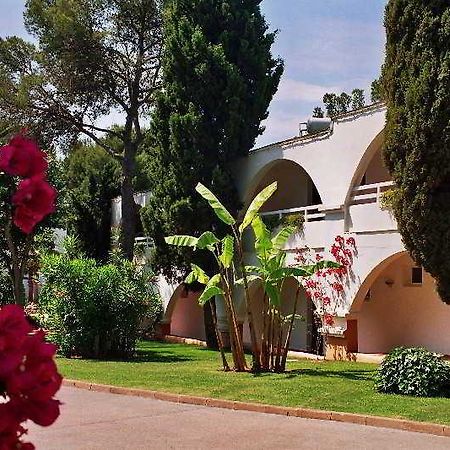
<point>327,46</point>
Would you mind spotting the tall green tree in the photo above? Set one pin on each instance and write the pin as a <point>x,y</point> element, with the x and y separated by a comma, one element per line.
<point>376,88</point>
<point>219,77</point>
<point>91,58</point>
<point>358,99</point>
<point>92,177</point>
<point>416,84</point>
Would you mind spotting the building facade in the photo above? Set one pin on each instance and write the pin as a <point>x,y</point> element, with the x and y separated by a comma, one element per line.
<point>335,180</point>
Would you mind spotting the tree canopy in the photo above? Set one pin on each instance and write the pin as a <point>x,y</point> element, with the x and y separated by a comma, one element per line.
<point>92,182</point>
<point>416,84</point>
<point>91,58</point>
<point>218,79</point>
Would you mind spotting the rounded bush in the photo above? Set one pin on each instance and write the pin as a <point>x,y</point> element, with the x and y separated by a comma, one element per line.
<point>413,371</point>
<point>93,310</point>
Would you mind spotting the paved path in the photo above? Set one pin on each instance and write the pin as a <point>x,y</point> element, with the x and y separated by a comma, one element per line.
<point>96,420</point>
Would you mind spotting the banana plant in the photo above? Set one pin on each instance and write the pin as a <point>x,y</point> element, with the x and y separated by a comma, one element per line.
<point>272,273</point>
<point>224,253</point>
<point>217,285</point>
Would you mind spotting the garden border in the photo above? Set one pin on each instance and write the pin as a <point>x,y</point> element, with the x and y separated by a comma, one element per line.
<point>305,413</point>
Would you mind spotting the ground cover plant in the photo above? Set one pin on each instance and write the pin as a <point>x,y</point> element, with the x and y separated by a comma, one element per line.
<point>413,371</point>
<point>328,385</point>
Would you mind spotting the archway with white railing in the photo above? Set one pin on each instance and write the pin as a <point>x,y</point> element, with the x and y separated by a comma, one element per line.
<point>364,208</point>
<point>296,193</point>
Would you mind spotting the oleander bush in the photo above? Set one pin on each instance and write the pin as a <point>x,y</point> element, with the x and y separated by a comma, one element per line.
<point>413,371</point>
<point>92,310</point>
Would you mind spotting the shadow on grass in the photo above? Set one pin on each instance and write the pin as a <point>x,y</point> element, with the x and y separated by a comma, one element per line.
<point>147,355</point>
<point>144,356</point>
<point>355,375</point>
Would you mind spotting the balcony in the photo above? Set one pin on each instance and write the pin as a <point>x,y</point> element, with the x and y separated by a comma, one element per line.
<point>313,228</point>
<point>365,212</point>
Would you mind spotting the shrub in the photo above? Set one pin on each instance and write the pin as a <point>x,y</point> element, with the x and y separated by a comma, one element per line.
<point>413,371</point>
<point>93,310</point>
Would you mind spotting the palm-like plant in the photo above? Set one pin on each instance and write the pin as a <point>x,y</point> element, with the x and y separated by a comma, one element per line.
<point>271,272</point>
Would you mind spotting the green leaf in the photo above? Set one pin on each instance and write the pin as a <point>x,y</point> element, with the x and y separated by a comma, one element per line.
<point>250,269</point>
<point>207,240</point>
<point>311,268</point>
<point>226,258</point>
<point>215,280</point>
<point>285,272</point>
<point>324,264</point>
<point>212,289</point>
<point>273,293</point>
<point>191,278</point>
<point>279,241</point>
<point>197,274</point>
<point>250,279</point>
<point>259,228</point>
<point>256,205</point>
<point>208,293</point>
<point>219,209</point>
<point>182,240</point>
<point>263,243</point>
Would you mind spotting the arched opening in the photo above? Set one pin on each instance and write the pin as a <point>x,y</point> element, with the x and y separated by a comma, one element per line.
<point>400,307</point>
<point>371,176</point>
<point>364,200</point>
<point>185,315</point>
<point>376,171</point>
<point>295,187</point>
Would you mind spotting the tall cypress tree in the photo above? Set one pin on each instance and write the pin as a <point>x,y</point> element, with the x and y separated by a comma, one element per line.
<point>416,82</point>
<point>218,79</point>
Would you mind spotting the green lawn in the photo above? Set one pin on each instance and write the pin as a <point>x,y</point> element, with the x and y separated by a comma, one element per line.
<point>182,369</point>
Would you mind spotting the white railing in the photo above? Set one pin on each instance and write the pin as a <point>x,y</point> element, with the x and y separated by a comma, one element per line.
<point>309,213</point>
<point>370,193</point>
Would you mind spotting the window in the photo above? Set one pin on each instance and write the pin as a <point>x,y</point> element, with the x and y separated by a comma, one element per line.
<point>416,275</point>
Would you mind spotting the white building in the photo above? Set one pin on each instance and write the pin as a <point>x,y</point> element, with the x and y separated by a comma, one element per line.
<point>335,178</point>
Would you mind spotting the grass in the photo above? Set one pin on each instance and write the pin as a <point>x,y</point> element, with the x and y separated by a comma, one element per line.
<point>182,369</point>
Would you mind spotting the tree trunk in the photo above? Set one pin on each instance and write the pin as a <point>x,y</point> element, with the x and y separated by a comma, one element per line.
<point>226,367</point>
<point>289,333</point>
<point>265,335</point>
<point>256,354</point>
<point>17,267</point>
<point>128,205</point>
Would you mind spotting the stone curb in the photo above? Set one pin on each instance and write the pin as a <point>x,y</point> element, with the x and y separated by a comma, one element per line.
<point>305,413</point>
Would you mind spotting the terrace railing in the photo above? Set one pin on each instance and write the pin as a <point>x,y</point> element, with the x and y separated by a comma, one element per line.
<point>309,213</point>
<point>370,193</point>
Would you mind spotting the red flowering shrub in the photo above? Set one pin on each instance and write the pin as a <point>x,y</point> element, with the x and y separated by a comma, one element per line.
<point>327,287</point>
<point>34,198</point>
<point>28,375</point>
<point>28,378</point>
<point>22,158</point>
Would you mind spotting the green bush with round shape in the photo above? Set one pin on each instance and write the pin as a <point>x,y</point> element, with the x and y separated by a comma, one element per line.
<point>93,310</point>
<point>413,371</point>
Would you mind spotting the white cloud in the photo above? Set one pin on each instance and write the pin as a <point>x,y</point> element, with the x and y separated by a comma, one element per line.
<point>296,90</point>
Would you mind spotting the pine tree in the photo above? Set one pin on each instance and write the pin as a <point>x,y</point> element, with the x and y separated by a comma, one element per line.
<point>219,77</point>
<point>416,84</point>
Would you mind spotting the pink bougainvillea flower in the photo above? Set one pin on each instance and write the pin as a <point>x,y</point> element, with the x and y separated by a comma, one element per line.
<point>37,379</point>
<point>34,200</point>
<point>22,157</point>
<point>13,332</point>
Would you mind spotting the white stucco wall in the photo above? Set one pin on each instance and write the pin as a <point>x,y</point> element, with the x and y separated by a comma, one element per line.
<point>330,160</point>
<point>399,313</point>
